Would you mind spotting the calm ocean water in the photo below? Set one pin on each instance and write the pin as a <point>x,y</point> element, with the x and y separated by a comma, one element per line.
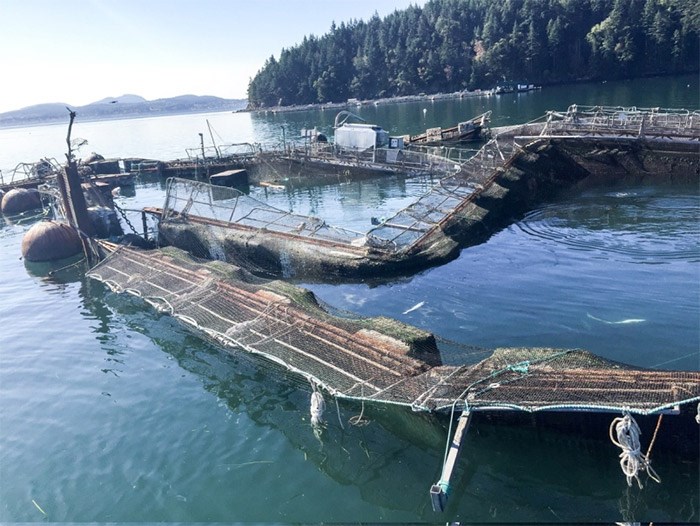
<point>110,412</point>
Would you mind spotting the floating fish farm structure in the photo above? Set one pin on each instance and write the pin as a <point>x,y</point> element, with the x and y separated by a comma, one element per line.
<point>381,360</point>
<point>508,176</point>
<point>220,248</point>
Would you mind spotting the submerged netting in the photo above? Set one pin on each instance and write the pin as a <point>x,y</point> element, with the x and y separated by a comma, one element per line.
<point>401,162</point>
<point>378,359</point>
<point>218,211</point>
<point>221,223</point>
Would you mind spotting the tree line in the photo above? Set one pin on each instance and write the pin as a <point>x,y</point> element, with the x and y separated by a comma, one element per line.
<point>452,45</point>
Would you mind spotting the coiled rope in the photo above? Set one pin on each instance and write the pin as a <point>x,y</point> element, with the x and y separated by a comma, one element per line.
<point>624,433</point>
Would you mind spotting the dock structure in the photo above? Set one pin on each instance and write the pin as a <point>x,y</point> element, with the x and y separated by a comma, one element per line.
<point>519,167</point>
<point>313,163</point>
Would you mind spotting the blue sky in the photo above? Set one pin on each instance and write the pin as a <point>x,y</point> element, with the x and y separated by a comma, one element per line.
<point>80,51</point>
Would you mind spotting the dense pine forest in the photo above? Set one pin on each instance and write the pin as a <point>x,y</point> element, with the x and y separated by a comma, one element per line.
<point>452,45</point>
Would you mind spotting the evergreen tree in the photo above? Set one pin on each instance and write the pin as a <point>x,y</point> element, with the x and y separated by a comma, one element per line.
<point>450,45</point>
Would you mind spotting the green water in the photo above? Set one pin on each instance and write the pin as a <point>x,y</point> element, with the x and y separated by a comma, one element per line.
<point>111,412</point>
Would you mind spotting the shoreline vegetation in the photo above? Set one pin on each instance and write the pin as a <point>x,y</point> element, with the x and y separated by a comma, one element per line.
<point>449,46</point>
<point>431,97</point>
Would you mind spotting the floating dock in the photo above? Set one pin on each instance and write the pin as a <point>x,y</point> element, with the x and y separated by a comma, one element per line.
<point>475,129</point>
<point>520,167</point>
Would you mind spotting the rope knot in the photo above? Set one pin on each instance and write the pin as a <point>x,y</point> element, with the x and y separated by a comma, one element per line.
<point>632,460</point>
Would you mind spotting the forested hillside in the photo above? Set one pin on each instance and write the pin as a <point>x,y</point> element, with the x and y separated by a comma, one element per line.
<point>451,45</point>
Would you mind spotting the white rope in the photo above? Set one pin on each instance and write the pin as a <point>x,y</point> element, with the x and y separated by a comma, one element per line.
<point>318,406</point>
<point>359,420</point>
<point>632,460</point>
<point>337,408</point>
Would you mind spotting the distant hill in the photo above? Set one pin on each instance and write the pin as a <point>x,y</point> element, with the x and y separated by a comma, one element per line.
<point>126,98</point>
<point>125,106</point>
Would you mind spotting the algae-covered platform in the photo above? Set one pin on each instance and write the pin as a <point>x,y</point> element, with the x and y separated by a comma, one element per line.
<point>380,359</point>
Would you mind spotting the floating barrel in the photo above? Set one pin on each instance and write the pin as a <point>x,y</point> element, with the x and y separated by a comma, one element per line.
<point>49,241</point>
<point>20,200</point>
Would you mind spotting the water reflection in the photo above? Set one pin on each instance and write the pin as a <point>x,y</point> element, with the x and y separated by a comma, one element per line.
<point>510,470</point>
<point>416,117</point>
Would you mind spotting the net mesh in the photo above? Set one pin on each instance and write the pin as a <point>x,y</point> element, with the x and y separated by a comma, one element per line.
<point>412,224</point>
<point>224,206</point>
<point>378,359</point>
<point>226,224</point>
<point>623,121</point>
<point>218,211</point>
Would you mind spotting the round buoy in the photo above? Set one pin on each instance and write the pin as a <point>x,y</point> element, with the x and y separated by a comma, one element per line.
<point>49,241</point>
<point>20,200</point>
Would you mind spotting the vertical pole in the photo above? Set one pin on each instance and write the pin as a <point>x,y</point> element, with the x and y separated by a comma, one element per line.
<point>75,204</point>
<point>439,491</point>
<point>145,225</point>
<point>216,149</point>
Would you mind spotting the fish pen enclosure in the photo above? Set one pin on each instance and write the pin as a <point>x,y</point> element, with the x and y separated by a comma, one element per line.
<point>624,121</point>
<point>379,359</point>
<point>223,223</point>
<point>496,184</point>
<point>321,163</point>
<point>382,361</point>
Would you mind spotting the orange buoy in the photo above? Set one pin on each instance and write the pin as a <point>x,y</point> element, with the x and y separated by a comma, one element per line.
<point>20,200</point>
<point>49,241</point>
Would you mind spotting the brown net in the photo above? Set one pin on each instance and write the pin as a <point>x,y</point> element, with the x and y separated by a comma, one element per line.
<point>378,359</point>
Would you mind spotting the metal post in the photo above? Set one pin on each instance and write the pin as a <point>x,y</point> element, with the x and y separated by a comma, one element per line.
<point>441,489</point>
<point>216,149</point>
<point>145,225</point>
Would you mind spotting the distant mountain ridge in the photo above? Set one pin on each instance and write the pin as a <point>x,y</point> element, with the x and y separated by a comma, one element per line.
<point>124,106</point>
<point>127,98</point>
